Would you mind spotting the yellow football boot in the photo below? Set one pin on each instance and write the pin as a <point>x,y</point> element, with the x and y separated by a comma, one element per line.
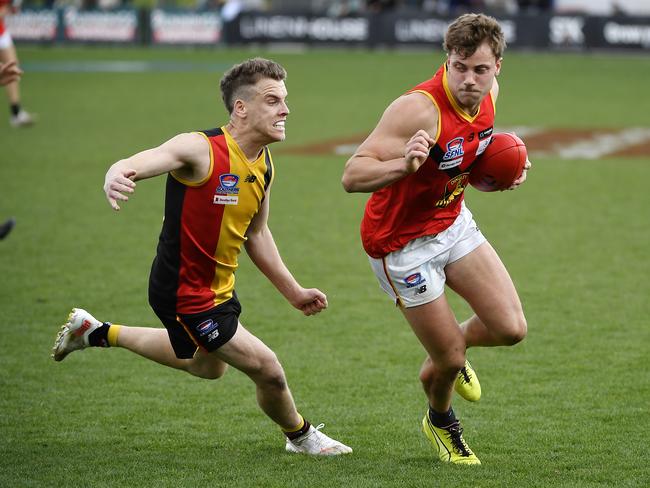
<point>449,442</point>
<point>467,384</point>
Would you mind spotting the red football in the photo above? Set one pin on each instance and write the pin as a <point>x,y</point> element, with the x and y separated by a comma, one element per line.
<point>500,164</point>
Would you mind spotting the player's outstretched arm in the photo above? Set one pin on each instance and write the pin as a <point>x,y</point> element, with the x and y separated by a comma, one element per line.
<point>261,248</point>
<point>397,147</point>
<point>187,155</point>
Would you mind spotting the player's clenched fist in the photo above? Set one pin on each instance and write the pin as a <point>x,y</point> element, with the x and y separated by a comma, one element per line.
<point>417,150</point>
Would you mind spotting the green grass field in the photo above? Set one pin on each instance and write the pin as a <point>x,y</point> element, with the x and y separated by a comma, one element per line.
<point>568,407</point>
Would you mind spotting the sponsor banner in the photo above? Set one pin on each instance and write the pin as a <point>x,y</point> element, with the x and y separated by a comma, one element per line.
<point>177,27</point>
<point>98,26</point>
<point>567,31</point>
<point>580,32</point>
<point>623,32</point>
<point>401,29</point>
<point>258,27</point>
<point>33,25</point>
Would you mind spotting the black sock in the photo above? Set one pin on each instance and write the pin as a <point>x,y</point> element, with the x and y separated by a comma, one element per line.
<point>15,108</point>
<point>298,433</point>
<point>442,419</point>
<point>99,336</point>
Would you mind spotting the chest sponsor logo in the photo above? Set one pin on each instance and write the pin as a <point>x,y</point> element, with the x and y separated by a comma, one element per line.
<point>225,200</point>
<point>482,146</point>
<point>454,149</point>
<point>228,184</point>
<point>450,164</point>
<point>485,133</point>
<point>453,155</point>
<point>227,191</point>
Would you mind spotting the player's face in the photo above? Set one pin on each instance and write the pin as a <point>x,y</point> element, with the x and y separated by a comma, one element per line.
<point>470,79</point>
<point>269,109</point>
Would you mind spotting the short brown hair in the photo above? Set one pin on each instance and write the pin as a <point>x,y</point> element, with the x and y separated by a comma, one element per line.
<point>469,31</point>
<point>246,74</point>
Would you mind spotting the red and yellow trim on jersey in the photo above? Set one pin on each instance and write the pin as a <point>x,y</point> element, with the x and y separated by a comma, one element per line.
<point>203,180</point>
<point>433,100</point>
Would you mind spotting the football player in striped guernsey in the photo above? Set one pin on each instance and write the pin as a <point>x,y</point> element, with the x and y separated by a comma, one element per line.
<point>217,202</point>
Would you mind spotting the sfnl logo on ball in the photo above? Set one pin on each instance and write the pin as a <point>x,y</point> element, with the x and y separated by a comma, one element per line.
<point>454,155</point>
<point>227,191</point>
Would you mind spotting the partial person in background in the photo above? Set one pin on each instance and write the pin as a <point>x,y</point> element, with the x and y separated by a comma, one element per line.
<point>9,73</point>
<point>19,117</point>
<point>216,203</point>
<point>6,227</point>
<point>418,232</point>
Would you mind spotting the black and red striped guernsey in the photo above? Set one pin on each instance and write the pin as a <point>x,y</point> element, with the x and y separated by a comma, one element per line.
<point>205,227</point>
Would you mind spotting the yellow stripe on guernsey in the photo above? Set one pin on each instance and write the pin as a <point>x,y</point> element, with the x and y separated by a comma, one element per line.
<point>207,177</point>
<point>433,100</point>
<point>236,218</point>
<point>453,101</point>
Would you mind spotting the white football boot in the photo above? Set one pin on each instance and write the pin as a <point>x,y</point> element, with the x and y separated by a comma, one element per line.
<point>22,119</point>
<point>74,333</point>
<point>316,443</point>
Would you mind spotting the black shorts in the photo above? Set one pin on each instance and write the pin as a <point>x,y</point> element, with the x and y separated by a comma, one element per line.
<point>207,330</point>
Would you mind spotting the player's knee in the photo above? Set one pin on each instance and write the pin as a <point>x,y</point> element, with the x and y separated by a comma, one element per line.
<point>453,365</point>
<point>447,365</point>
<point>516,330</point>
<point>267,372</point>
<point>426,376</point>
<point>274,374</point>
<point>275,380</point>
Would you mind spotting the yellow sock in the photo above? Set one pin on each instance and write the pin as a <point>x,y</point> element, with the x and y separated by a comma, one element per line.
<point>113,332</point>
<point>298,427</point>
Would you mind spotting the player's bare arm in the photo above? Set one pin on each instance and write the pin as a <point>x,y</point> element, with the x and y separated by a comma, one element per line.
<point>187,156</point>
<point>261,248</point>
<point>397,147</point>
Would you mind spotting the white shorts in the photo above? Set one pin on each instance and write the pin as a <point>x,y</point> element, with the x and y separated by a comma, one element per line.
<point>415,274</point>
<point>5,40</point>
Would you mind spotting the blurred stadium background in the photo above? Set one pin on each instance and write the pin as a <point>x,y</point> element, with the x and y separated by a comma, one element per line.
<point>573,24</point>
<point>568,407</point>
